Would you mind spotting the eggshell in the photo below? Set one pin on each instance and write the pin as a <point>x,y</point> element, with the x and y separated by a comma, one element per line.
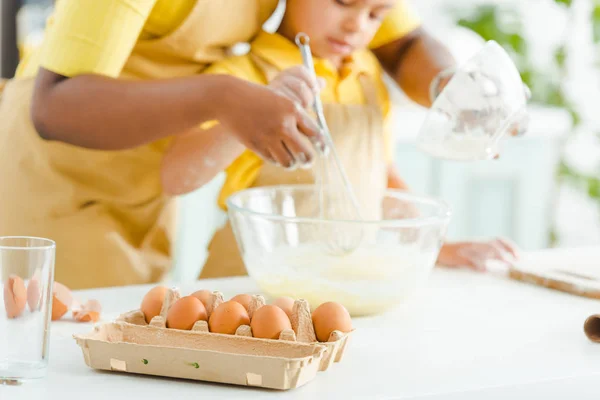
<point>329,317</point>
<point>61,300</point>
<point>15,296</point>
<point>243,299</point>
<point>153,302</point>
<point>89,312</point>
<point>205,296</point>
<point>227,317</point>
<point>268,322</point>
<point>34,292</point>
<point>76,306</point>
<point>185,313</point>
<point>286,304</point>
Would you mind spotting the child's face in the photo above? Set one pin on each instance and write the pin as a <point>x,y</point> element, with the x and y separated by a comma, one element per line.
<point>336,27</point>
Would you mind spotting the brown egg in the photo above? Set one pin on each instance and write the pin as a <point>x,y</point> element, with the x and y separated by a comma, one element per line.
<point>153,302</point>
<point>34,292</point>
<point>243,299</point>
<point>89,312</point>
<point>15,296</point>
<point>268,322</point>
<point>227,317</point>
<point>329,317</point>
<point>185,313</point>
<point>286,304</point>
<point>204,296</point>
<point>61,300</point>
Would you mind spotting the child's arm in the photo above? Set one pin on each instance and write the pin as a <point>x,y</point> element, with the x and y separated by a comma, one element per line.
<point>476,255</point>
<point>395,181</point>
<point>414,61</point>
<point>396,207</point>
<point>469,254</point>
<point>196,157</point>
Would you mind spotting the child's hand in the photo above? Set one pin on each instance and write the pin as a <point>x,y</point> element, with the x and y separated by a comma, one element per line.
<point>297,85</point>
<point>270,124</point>
<point>475,255</point>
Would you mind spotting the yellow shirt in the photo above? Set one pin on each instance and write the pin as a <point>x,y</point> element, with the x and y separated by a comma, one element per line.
<point>78,44</point>
<point>341,88</point>
<point>97,36</point>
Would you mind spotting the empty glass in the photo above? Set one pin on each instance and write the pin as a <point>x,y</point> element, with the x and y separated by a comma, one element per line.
<point>484,100</point>
<point>27,272</point>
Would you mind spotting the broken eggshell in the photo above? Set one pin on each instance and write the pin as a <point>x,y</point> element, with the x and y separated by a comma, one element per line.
<point>15,296</point>
<point>62,299</point>
<point>89,312</point>
<point>34,291</point>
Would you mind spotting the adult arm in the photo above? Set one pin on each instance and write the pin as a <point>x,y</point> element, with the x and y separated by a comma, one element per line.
<point>413,61</point>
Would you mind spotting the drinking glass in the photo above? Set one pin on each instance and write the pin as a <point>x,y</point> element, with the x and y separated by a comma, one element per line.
<point>27,272</point>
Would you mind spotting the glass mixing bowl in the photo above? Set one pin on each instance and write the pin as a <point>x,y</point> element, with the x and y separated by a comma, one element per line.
<point>287,249</point>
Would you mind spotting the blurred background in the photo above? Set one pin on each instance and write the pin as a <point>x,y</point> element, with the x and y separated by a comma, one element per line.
<point>544,190</point>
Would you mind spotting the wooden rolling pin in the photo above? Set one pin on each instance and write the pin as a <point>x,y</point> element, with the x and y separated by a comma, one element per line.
<point>575,271</point>
<point>591,327</point>
<point>563,281</point>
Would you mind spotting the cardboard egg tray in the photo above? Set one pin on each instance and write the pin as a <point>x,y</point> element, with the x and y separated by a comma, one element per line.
<point>131,345</point>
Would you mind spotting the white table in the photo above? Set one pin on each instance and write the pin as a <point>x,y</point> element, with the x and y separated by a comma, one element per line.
<point>468,336</point>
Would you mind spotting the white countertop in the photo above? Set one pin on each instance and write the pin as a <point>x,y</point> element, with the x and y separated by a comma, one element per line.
<point>468,336</point>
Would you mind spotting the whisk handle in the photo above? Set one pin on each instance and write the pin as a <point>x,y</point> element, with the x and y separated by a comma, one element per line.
<point>303,43</point>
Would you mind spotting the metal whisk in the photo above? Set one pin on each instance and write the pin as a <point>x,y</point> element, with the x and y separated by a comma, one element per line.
<point>336,196</point>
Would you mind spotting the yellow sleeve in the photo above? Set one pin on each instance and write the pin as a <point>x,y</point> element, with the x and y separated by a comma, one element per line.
<point>242,173</point>
<point>402,20</point>
<point>93,36</point>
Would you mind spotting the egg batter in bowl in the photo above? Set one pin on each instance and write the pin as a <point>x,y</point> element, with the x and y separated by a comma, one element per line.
<point>285,247</point>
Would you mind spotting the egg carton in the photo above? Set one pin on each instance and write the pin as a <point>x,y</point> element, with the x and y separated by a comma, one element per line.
<point>131,345</point>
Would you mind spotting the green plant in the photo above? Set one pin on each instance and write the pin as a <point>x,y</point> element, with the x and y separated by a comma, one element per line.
<point>505,26</point>
<point>596,21</point>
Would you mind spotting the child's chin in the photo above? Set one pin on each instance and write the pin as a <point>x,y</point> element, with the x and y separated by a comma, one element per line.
<point>331,56</point>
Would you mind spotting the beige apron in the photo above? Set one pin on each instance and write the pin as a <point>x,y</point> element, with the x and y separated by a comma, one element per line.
<point>358,135</point>
<point>106,209</point>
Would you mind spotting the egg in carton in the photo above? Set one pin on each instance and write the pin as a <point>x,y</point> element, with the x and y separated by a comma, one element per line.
<point>130,344</point>
<point>303,330</point>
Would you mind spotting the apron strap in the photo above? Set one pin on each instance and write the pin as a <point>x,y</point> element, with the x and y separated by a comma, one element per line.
<point>369,90</point>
